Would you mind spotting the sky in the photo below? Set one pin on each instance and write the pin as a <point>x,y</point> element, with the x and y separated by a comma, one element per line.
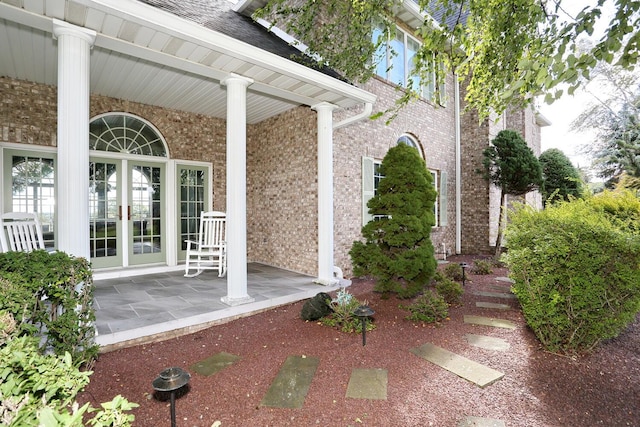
<point>561,114</point>
<point>565,110</point>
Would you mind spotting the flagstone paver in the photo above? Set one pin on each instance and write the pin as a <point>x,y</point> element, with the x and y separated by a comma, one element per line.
<point>291,385</point>
<point>489,321</point>
<point>368,384</point>
<point>475,372</point>
<point>480,422</point>
<point>495,294</point>
<point>215,363</point>
<point>505,279</point>
<point>483,304</point>
<point>486,342</point>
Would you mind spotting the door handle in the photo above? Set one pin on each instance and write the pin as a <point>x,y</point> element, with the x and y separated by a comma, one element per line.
<point>128,213</point>
<point>120,212</point>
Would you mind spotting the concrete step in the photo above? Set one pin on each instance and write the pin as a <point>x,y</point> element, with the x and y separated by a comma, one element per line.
<point>475,372</point>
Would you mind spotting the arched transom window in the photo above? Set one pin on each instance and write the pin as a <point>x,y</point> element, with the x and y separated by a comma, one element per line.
<point>126,134</point>
<point>411,142</point>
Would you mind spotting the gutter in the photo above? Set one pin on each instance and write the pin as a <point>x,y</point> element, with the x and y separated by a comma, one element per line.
<point>368,108</point>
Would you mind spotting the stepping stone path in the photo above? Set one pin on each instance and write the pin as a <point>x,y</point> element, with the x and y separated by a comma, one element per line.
<point>482,304</point>
<point>468,369</point>
<point>488,343</point>
<point>495,295</point>
<point>480,422</point>
<point>368,384</point>
<point>213,364</point>
<point>292,383</point>
<point>488,321</point>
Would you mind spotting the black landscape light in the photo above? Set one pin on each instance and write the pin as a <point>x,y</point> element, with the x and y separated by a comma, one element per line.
<point>463,265</point>
<point>363,312</point>
<point>170,380</point>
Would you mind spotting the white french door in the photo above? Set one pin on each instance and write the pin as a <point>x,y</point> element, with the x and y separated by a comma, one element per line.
<point>127,212</point>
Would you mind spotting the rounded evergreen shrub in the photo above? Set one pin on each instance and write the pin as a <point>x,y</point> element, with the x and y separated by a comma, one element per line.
<point>429,307</point>
<point>397,249</point>
<point>576,274</point>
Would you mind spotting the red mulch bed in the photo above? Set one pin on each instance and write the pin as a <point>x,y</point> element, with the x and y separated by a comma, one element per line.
<point>538,389</point>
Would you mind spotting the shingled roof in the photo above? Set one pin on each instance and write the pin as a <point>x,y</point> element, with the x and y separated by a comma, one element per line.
<point>218,15</point>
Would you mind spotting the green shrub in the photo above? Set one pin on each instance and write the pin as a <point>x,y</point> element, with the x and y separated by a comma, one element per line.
<point>429,307</point>
<point>482,266</point>
<point>450,290</point>
<point>621,207</point>
<point>453,271</point>
<point>397,249</point>
<point>576,274</point>
<point>342,317</point>
<point>40,390</point>
<point>51,294</point>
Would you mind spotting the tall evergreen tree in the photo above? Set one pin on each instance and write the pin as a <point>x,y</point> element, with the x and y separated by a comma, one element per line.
<point>560,178</point>
<point>397,249</point>
<point>510,165</point>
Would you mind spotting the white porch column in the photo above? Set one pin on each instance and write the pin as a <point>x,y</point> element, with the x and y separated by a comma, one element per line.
<point>325,193</point>
<point>72,171</point>
<point>236,190</point>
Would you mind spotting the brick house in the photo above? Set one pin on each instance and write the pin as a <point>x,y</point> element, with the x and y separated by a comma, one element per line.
<point>184,106</point>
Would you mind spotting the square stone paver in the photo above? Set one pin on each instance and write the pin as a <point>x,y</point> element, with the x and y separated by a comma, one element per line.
<point>480,422</point>
<point>368,384</point>
<point>213,364</point>
<point>291,385</point>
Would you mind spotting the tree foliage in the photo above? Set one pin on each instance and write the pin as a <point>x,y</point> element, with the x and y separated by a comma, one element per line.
<point>510,50</point>
<point>510,165</point>
<point>560,178</point>
<point>615,118</point>
<point>397,250</point>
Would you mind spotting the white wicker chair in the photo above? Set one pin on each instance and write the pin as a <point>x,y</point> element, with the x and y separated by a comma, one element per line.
<point>210,251</point>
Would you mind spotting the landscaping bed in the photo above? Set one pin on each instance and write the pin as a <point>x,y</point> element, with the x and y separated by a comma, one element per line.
<point>538,389</point>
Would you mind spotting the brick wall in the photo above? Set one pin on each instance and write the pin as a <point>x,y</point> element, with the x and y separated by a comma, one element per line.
<point>432,126</point>
<point>28,112</point>
<point>282,219</point>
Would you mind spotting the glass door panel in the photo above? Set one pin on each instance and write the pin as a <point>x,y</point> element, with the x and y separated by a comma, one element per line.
<point>146,201</point>
<point>30,187</point>
<point>193,198</point>
<point>105,213</point>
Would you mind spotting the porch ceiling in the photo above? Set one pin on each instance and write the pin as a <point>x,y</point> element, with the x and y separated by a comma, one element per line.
<point>147,55</point>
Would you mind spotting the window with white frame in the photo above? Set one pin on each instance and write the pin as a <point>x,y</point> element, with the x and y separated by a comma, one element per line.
<point>372,174</point>
<point>395,61</point>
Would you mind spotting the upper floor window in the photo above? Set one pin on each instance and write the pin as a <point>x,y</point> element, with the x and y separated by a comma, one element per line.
<point>395,61</point>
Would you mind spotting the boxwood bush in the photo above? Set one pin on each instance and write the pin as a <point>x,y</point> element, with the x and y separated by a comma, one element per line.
<point>576,268</point>
<point>51,296</point>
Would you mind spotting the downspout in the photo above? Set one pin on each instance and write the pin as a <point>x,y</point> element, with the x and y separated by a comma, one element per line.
<point>456,108</point>
<point>368,108</point>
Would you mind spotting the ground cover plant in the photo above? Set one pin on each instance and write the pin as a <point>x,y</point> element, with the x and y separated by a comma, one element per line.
<point>38,389</point>
<point>576,268</point>
<point>342,316</point>
<point>51,295</point>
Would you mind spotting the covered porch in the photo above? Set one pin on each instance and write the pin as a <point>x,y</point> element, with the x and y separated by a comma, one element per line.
<point>136,309</point>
